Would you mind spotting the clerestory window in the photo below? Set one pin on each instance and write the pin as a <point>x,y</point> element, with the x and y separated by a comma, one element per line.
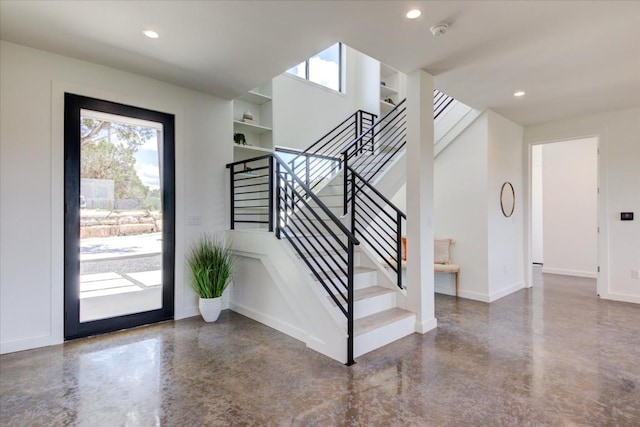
<point>324,68</point>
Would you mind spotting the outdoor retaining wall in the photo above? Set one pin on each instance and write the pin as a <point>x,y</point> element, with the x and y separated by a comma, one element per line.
<point>109,224</point>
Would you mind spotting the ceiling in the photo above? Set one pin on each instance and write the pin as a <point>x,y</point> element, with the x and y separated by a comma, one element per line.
<point>571,57</point>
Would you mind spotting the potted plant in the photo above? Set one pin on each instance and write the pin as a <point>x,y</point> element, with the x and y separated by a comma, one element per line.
<point>239,138</point>
<point>211,264</point>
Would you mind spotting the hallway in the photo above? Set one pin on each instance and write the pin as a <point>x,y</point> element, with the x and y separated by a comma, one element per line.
<point>551,355</point>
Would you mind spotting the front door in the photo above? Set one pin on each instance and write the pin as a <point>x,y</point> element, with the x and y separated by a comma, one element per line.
<point>119,216</point>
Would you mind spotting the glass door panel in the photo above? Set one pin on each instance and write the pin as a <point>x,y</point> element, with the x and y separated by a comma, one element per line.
<point>119,238</point>
<point>120,216</point>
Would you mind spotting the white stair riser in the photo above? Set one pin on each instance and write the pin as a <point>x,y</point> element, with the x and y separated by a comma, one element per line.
<point>364,280</point>
<point>384,335</point>
<point>372,305</point>
<point>368,306</point>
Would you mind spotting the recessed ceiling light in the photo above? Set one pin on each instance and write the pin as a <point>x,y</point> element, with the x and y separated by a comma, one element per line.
<point>151,34</point>
<point>519,93</point>
<point>414,14</point>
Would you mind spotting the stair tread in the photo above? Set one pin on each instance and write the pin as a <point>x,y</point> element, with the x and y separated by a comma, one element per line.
<point>364,293</point>
<point>374,321</point>
<point>338,273</point>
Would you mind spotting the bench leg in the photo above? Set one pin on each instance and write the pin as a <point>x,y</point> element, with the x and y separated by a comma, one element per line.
<point>457,283</point>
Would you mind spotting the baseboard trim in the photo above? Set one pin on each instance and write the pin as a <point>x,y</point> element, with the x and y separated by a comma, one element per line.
<point>272,322</point>
<point>575,273</point>
<point>506,291</point>
<point>621,298</point>
<point>476,296</point>
<point>424,327</point>
<point>27,344</point>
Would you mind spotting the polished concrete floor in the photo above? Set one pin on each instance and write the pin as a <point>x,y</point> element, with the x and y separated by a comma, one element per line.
<point>552,355</point>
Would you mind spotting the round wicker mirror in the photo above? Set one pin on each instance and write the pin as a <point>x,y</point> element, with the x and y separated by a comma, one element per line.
<point>507,199</point>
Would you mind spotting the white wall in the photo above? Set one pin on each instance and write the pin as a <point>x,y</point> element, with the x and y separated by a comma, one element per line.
<point>274,289</point>
<point>570,207</point>
<point>536,205</point>
<point>618,133</point>
<point>469,175</point>
<point>505,235</point>
<point>460,205</point>
<point>32,84</point>
<point>304,111</point>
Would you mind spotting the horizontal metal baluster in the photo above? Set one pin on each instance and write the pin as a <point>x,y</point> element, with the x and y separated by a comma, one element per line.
<point>302,233</point>
<point>331,294</point>
<point>329,274</point>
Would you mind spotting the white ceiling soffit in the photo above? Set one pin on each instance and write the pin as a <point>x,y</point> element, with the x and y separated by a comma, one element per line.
<point>571,57</point>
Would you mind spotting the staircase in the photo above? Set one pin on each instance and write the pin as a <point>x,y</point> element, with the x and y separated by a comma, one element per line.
<point>339,230</point>
<point>379,316</point>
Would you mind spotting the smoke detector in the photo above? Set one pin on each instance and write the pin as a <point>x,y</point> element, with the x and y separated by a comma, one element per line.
<point>440,29</point>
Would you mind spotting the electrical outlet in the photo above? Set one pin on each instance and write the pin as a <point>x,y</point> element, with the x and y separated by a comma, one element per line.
<point>635,274</point>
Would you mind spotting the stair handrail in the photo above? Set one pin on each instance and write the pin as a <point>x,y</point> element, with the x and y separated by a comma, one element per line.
<point>280,177</point>
<point>309,193</point>
<point>370,129</point>
<point>253,159</point>
<point>354,117</point>
<point>393,258</point>
<point>359,189</point>
<point>393,130</point>
<point>320,159</point>
<point>378,193</point>
<point>352,241</point>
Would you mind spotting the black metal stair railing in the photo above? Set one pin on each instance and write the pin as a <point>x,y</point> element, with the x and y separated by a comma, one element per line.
<point>441,101</point>
<point>323,243</point>
<point>320,160</point>
<point>359,134</point>
<point>268,192</point>
<point>376,221</point>
<point>374,148</point>
<point>251,192</point>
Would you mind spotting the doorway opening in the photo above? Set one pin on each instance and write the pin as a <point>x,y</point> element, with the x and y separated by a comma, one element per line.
<point>564,208</point>
<point>119,216</point>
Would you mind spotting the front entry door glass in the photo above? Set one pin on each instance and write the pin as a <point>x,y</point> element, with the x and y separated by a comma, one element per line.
<point>120,216</point>
<point>119,219</point>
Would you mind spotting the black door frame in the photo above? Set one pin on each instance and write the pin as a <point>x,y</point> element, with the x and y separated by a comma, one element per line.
<point>73,104</point>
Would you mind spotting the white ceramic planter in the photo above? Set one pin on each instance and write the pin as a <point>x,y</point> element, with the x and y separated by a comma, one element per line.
<point>210,308</point>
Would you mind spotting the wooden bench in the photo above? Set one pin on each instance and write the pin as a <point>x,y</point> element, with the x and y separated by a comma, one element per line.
<point>451,269</point>
<point>441,256</point>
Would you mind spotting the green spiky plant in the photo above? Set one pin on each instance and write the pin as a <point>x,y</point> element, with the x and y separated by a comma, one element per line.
<point>211,264</point>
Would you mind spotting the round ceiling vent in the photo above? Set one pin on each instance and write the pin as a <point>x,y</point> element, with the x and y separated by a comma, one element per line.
<point>439,29</point>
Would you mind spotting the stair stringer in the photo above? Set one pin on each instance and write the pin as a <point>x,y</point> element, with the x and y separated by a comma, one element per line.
<point>452,124</point>
<point>310,317</point>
